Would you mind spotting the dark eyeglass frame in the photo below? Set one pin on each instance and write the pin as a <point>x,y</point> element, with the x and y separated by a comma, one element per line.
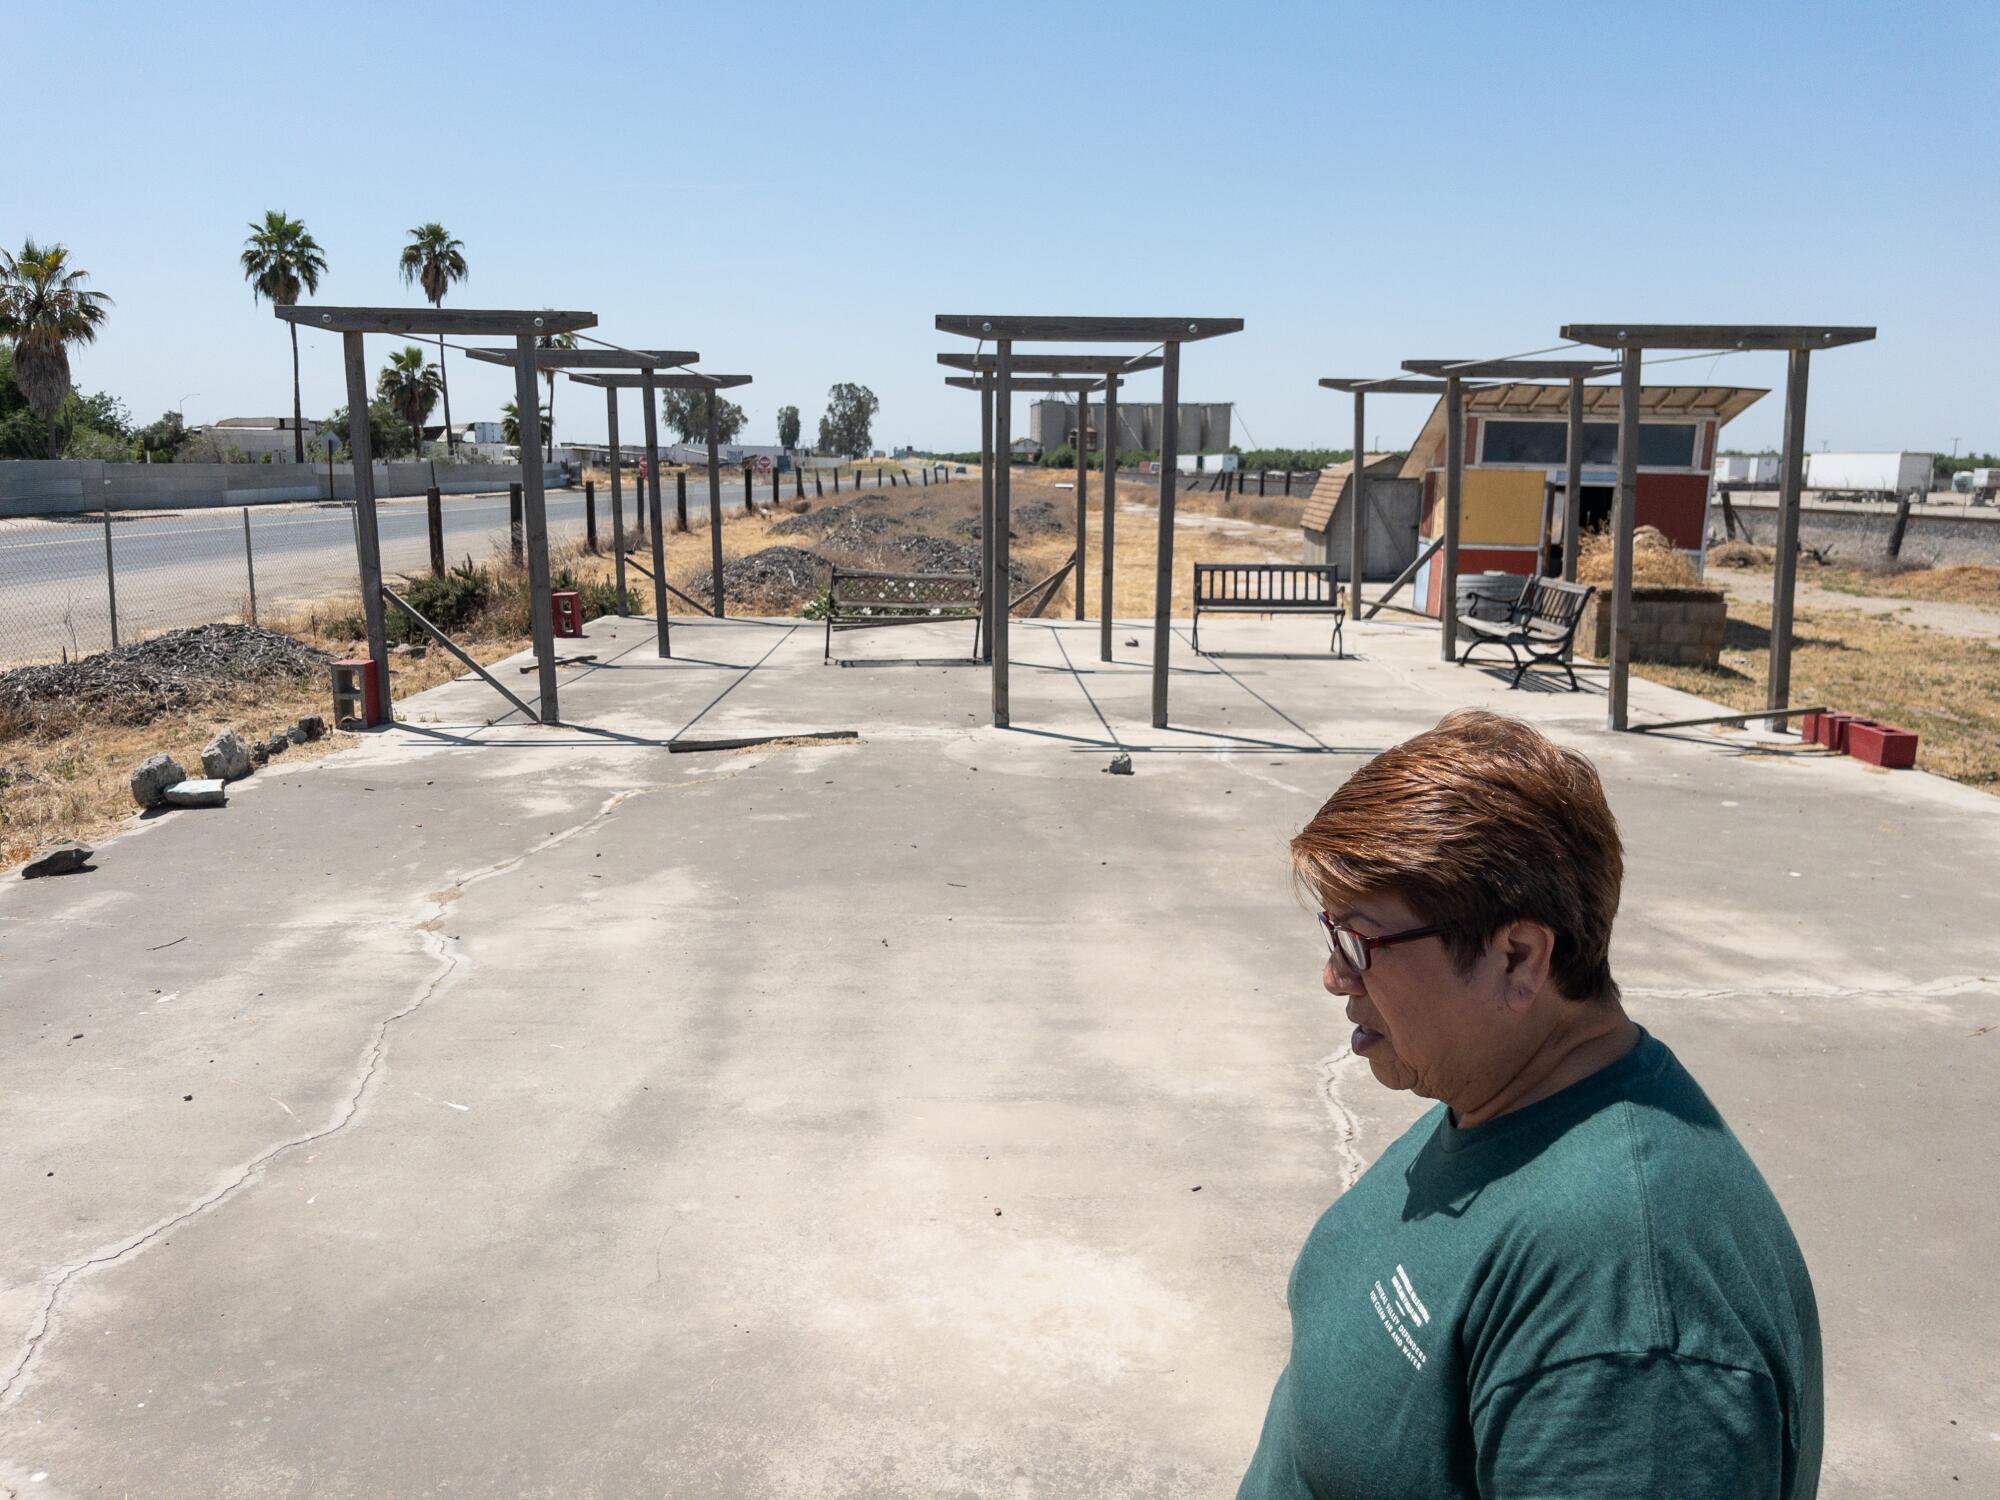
<point>1357,949</point>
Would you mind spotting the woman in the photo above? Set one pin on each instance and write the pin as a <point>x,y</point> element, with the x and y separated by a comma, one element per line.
<point>1568,1279</point>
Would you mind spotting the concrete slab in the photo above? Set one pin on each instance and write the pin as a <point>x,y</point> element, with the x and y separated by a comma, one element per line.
<point>933,1114</point>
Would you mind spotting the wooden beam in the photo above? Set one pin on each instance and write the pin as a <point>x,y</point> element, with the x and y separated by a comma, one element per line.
<point>1715,335</point>
<point>651,501</point>
<point>1357,517</point>
<point>1106,591</point>
<point>1015,328</point>
<point>367,539</point>
<point>541,616</point>
<point>1059,364</point>
<point>1163,565</point>
<point>680,380</point>
<point>467,322</point>
<point>1785,569</point>
<point>1003,518</point>
<point>1028,387</point>
<point>1454,504</point>
<point>593,359</point>
<point>1624,521</point>
<point>1512,369</point>
<point>1389,386</point>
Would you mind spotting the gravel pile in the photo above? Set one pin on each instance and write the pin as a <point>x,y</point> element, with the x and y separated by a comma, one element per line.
<point>1031,518</point>
<point>139,683</point>
<point>777,580</point>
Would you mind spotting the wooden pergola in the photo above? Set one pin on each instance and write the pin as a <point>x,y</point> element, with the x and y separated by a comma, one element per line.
<point>645,361</point>
<point>1356,517</point>
<point>1165,334</point>
<point>1056,365</point>
<point>995,574</point>
<point>353,324</point>
<point>1631,340</point>
<point>1454,373</point>
<point>652,382</point>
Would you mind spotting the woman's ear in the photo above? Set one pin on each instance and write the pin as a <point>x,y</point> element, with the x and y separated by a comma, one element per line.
<point>1527,950</point>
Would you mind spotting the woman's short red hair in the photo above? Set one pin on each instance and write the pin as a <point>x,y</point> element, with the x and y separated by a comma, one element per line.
<point>1476,823</point>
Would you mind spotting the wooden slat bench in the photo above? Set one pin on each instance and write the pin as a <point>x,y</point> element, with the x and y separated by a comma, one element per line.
<point>1268,589</point>
<point>1538,630</point>
<point>857,600</point>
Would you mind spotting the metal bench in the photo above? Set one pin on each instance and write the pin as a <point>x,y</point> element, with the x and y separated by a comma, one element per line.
<point>1268,589</point>
<point>1538,630</point>
<point>858,600</point>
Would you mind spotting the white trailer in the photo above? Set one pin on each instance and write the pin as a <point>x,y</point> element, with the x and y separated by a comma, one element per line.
<point>1747,471</point>
<point>1868,476</point>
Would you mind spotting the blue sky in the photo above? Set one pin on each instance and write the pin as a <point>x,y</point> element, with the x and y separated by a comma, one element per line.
<point>796,189</point>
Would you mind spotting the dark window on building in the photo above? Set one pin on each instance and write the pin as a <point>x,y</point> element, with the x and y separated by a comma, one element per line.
<point>1662,445</point>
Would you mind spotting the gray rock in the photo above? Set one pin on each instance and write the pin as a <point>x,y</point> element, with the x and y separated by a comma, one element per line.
<point>64,859</point>
<point>296,735</point>
<point>151,778</point>
<point>210,793</point>
<point>226,757</point>
<point>314,726</point>
<point>1121,764</point>
<point>277,744</point>
<point>260,751</point>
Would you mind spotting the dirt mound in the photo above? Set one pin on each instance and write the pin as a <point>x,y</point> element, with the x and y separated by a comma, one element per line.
<point>139,683</point>
<point>1030,518</point>
<point>1740,555</point>
<point>928,554</point>
<point>774,581</point>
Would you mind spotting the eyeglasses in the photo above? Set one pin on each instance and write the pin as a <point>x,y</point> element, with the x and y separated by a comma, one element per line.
<point>1357,949</point>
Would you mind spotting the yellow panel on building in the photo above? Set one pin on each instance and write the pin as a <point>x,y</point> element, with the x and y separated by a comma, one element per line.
<point>1503,507</point>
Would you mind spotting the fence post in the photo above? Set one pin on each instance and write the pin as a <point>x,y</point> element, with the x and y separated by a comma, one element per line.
<point>836,481</point>
<point>774,485</point>
<point>249,565</point>
<point>1262,475</point>
<point>110,577</point>
<point>681,500</point>
<point>819,486</point>
<point>798,481</point>
<point>589,516</point>
<point>434,515</point>
<point>1288,479</point>
<point>927,477</point>
<point>514,523</point>
<point>749,491</point>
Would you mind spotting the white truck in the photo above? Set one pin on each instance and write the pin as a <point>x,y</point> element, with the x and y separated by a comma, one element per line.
<point>1868,476</point>
<point>1746,471</point>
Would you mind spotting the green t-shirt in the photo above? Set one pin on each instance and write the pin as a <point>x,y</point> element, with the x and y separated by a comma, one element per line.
<point>1593,1296</point>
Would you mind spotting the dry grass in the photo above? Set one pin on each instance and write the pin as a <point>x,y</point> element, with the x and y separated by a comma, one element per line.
<point>1945,688</point>
<point>1959,583</point>
<point>1655,563</point>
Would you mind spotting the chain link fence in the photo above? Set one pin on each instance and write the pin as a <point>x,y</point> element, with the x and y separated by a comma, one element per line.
<point>62,577</point>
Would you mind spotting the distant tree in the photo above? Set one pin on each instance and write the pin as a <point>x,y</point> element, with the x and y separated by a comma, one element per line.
<point>160,439</point>
<point>280,260</point>
<point>436,262</point>
<point>44,308</point>
<point>686,412</point>
<point>510,423</point>
<point>388,432</point>
<point>848,424</point>
<point>552,341</point>
<point>788,427</point>
<point>411,389</point>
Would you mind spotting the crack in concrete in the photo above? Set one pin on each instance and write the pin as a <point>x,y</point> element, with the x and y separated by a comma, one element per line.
<point>450,965</point>
<point>1347,1124</point>
<point>1952,984</point>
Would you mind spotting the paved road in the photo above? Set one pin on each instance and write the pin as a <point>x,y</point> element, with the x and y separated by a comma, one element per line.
<point>187,567</point>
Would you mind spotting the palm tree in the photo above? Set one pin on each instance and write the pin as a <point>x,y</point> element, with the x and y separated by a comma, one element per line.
<point>552,341</point>
<point>411,388</point>
<point>43,310</point>
<point>435,261</point>
<point>510,423</point>
<point>279,261</point>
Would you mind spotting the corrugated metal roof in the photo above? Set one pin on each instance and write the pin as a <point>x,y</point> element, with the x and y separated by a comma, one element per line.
<point>1318,514</point>
<point>1524,398</point>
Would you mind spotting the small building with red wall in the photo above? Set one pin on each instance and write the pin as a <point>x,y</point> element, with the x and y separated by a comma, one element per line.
<point>1516,467</point>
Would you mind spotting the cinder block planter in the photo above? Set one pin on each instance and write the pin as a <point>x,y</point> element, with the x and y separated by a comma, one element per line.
<point>1679,626</point>
<point>1881,744</point>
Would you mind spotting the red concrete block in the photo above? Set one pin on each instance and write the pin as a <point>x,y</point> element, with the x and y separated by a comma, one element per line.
<point>568,609</point>
<point>1882,745</point>
<point>356,695</point>
<point>1831,730</point>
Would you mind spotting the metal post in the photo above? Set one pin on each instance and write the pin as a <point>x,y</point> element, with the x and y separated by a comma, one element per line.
<point>774,485</point>
<point>714,508</point>
<point>650,392</point>
<point>680,499</point>
<point>541,618</point>
<point>749,496</point>
<point>798,481</point>
<point>590,515</point>
<point>617,499</point>
<point>1454,496</point>
<point>1163,572</point>
<point>1624,515</point>
<point>1573,480</point>
<point>1784,576</point>
<point>1106,565</point>
<point>367,541</point>
<point>110,578</point>
<point>250,564</point>
<point>1082,486</point>
<point>514,522</point>
<point>1357,518</point>
<point>986,503</point>
<point>434,520</point>
<point>1003,443</point>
